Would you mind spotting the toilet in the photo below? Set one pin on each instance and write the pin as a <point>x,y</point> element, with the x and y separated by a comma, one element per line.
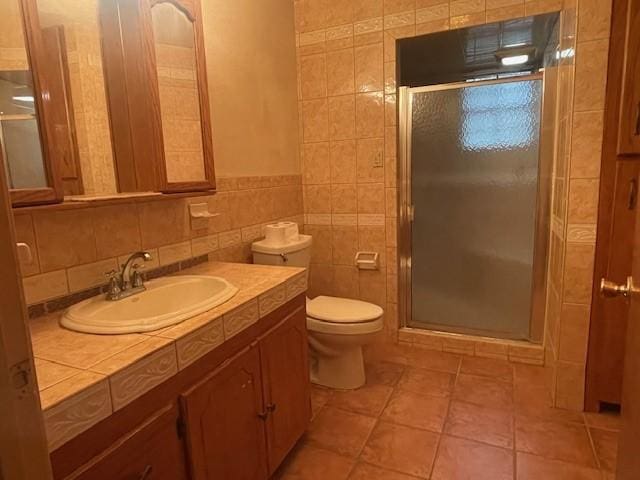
<point>338,327</point>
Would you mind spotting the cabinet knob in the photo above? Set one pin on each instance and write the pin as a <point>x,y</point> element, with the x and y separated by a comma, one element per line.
<point>263,415</point>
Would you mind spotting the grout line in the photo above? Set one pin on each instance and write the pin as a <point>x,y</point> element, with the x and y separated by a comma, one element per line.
<point>593,447</point>
<point>446,419</point>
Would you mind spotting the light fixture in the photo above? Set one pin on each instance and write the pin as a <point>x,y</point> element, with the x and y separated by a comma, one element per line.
<point>515,55</point>
<point>514,60</point>
<point>24,98</point>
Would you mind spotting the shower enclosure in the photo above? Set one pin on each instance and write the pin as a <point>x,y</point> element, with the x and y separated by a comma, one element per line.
<point>473,217</point>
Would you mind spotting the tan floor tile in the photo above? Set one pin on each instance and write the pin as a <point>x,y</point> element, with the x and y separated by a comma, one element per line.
<point>546,412</point>
<point>531,467</point>
<point>484,391</point>
<point>555,440</point>
<point>606,445</point>
<point>606,421</point>
<point>310,463</point>
<point>415,410</point>
<point>403,449</point>
<point>480,423</point>
<point>487,367</point>
<point>465,459</point>
<point>340,431</point>
<point>368,400</point>
<point>426,382</point>
<point>532,375</point>
<point>384,373</point>
<point>432,359</point>
<point>364,471</point>
<point>319,398</point>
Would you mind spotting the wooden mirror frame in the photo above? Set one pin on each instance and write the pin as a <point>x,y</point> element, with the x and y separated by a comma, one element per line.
<point>44,104</point>
<point>193,12</point>
<point>133,96</point>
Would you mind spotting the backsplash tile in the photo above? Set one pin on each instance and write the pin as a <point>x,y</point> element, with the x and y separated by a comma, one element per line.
<point>74,248</point>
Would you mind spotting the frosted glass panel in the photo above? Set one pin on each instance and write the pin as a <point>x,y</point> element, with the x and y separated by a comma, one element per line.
<point>474,160</point>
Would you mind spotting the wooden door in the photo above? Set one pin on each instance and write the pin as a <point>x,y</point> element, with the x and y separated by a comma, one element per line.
<point>616,223</point>
<point>153,451</point>
<point>609,315</point>
<point>629,134</point>
<point>225,422</point>
<point>23,444</point>
<point>629,444</point>
<point>284,357</point>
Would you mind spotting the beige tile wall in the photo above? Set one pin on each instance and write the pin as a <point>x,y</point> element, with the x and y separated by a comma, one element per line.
<point>347,98</point>
<point>580,115</point>
<point>73,248</point>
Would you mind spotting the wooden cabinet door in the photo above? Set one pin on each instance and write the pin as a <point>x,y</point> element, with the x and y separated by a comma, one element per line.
<point>153,451</point>
<point>284,357</point>
<point>629,134</point>
<point>225,422</point>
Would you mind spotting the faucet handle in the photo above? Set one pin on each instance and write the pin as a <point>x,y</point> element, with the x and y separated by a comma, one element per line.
<point>115,288</point>
<point>137,280</point>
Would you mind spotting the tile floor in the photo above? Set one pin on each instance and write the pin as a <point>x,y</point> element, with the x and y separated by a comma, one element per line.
<point>434,415</point>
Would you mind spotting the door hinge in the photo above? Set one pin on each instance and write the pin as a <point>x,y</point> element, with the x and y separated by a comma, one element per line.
<point>22,377</point>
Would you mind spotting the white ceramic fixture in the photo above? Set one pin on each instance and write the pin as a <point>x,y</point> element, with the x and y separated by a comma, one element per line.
<point>338,327</point>
<point>165,302</point>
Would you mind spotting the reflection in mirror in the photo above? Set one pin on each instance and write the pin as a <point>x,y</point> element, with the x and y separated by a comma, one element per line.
<point>74,26</point>
<point>19,130</point>
<point>174,39</point>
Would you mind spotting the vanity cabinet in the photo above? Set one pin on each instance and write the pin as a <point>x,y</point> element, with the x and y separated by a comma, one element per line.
<point>152,451</point>
<point>244,418</point>
<point>225,421</point>
<point>233,414</point>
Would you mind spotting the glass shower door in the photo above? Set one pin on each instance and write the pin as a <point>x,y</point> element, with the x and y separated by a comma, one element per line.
<point>474,184</point>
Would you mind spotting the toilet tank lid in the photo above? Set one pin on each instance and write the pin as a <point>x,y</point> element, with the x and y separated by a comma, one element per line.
<point>287,246</point>
<point>342,310</point>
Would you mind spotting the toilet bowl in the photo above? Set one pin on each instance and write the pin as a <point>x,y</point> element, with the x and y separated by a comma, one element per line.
<point>337,327</point>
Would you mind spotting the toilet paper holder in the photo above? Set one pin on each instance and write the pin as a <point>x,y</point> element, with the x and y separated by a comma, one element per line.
<point>367,260</point>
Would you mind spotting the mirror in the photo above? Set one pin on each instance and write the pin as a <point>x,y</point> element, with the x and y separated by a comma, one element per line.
<point>177,73</point>
<point>19,128</point>
<point>71,32</point>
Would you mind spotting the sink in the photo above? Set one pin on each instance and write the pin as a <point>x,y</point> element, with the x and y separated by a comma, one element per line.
<point>165,302</point>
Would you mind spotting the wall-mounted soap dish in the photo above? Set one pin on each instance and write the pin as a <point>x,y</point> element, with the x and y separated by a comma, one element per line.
<point>200,215</point>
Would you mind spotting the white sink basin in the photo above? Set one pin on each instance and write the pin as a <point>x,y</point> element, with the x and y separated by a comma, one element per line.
<point>165,302</point>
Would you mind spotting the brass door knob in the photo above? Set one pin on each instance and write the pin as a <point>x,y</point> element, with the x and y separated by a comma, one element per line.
<point>611,289</point>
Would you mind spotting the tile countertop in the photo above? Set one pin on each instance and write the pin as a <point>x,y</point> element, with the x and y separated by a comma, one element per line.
<point>84,378</point>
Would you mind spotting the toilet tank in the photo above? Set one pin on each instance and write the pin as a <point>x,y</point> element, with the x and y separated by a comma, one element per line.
<point>283,245</point>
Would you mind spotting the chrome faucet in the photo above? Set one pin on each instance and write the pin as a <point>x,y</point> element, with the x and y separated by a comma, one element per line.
<point>128,281</point>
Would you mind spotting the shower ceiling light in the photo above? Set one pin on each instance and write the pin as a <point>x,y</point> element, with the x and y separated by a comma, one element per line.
<point>510,56</point>
<point>515,60</point>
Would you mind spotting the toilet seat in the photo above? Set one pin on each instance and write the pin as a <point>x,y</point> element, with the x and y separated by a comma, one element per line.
<point>343,316</point>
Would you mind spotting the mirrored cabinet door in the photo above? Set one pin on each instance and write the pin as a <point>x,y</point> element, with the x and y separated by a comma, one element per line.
<point>183,97</point>
<point>27,143</point>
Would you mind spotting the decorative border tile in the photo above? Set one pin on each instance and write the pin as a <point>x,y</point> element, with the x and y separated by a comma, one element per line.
<point>77,414</point>
<point>296,285</point>
<point>274,298</point>
<point>142,376</point>
<point>241,318</point>
<point>197,344</point>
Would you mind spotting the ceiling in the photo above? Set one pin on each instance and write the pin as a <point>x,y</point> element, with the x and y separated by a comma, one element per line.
<point>470,53</point>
